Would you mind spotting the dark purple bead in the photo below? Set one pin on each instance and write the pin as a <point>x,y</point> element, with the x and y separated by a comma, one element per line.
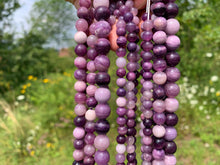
<point>131,132</point>
<point>90,127</point>
<point>121,41</point>
<point>90,78</point>
<point>131,157</point>
<point>132,47</point>
<point>112,7</point>
<point>132,57</point>
<point>77,163</point>
<point>121,31</point>
<point>128,17</point>
<point>147,104</point>
<point>102,12</point>
<point>159,93</point>
<point>92,54</point>
<point>146,148</point>
<point>102,46</point>
<point>124,9</point>
<point>102,126</point>
<point>170,147</point>
<point>88,160</point>
<point>121,52</point>
<point>121,121</point>
<point>121,139</point>
<point>83,12</point>
<point>119,4</point>
<point>131,123</point>
<point>80,98</point>
<point>171,119</point>
<point>80,74</point>
<point>171,10</point>
<point>148,123</point>
<point>173,74</point>
<point>146,56</point>
<point>131,27</point>
<point>147,45</point>
<point>132,37</point>
<point>144,16</point>
<point>102,78</point>
<point>172,89</point>
<point>172,58</point>
<point>121,92</point>
<point>147,35</point>
<point>121,72</point>
<point>78,144</point>
<point>159,65</point>
<point>147,75</point>
<point>80,121</point>
<point>131,76</point>
<point>91,102</point>
<point>122,130</point>
<point>160,50</point>
<point>158,143</point>
<point>117,13</point>
<point>159,118</point>
<point>147,131</point>
<point>121,111</point>
<point>89,138</point>
<point>159,9</point>
<point>102,63</point>
<point>81,50</point>
<point>131,66</point>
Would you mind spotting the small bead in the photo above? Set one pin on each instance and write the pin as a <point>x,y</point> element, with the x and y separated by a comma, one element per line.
<point>120,148</point>
<point>159,131</point>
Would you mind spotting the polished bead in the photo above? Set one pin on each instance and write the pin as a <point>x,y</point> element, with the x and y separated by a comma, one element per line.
<point>159,143</point>
<point>172,90</point>
<point>120,158</point>
<point>102,13</point>
<point>171,10</point>
<point>97,3</point>
<point>158,8</point>
<point>170,147</point>
<point>89,150</point>
<point>170,160</point>
<point>92,53</point>
<point>80,86</point>
<point>80,37</point>
<point>172,27</point>
<point>159,106</point>
<point>101,29</point>
<point>90,126</point>
<point>172,104</point>
<point>80,109</point>
<point>79,121</point>
<point>160,37</point>
<point>170,134</point>
<point>159,118</point>
<point>159,93</point>
<point>81,50</point>
<point>172,42</point>
<point>102,111</point>
<point>128,17</point>
<point>78,155</point>
<point>159,65</point>
<point>102,46</point>
<point>172,58</point>
<point>102,78</point>
<point>171,119</point>
<point>90,78</point>
<point>102,157</point>
<point>80,98</point>
<point>81,25</point>
<point>160,51</point>
<point>102,126</point>
<point>102,63</point>
<point>78,144</point>
<point>160,78</point>
<point>159,131</point>
<point>173,74</point>
<point>101,142</point>
<point>121,41</point>
<point>78,132</point>
<point>160,23</point>
<point>91,102</point>
<point>158,154</point>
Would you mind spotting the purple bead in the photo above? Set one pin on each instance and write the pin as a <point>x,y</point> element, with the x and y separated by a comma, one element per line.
<point>102,63</point>
<point>124,9</point>
<point>148,123</point>
<point>91,102</point>
<point>81,25</point>
<point>102,78</point>
<point>147,45</point>
<point>147,131</point>
<point>128,17</point>
<point>172,42</point>
<point>90,78</point>
<point>159,65</point>
<point>131,157</point>
<point>102,111</point>
<point>89,138</point>
<point>91,54</point>
<point>102,157</point>
<point>79,121</point>
<point>102,46</point>
<point>130,27</point>
<point>131,76</point>
<point>122,130</point>
<point>173,74</point>
<point>172,90</point>
<point>77,163</point>
<point>146,56</point>
<point>172,59</point>
<point>81,50</point>
<point>147,75</point>
<point>146,157</point>
<point>85,3</point>
<point>132,66</point>
<point>102,29</point>
<point>121,139</point>
<point>120,158</point>
<point>170,147</point>
<point>102,12</point>
<point>144,16</point>
<point>132,57</point>
<point>83,12</point>
<point>121,52</point>
<point>121,41</point>
<point>121,92</point>
<point>147,35</point>
<point>121,31</point>
<point>78,144</point>
<point>80,98</point>
<point>160,37</point>
<point>171,10</point>
<point>119,4</point>
<point>171,119</point>
<point>102,126</point>
<point>121,111</point>
<point>147,66</point>
<point>88,160</point>
<point>90,127</point>
<point>131,132</point>
<point>146,148</point>
<point>132,37</point>
<point>159,118</point>
<point>159,93</point>
<point>158,154</point>
<point>147,104</point>
<point>170,134</point>
<point>158,9</point>
<point>121,72</point>
<point>159,143</point>
<point>132,47</point>
<point>160,50</point>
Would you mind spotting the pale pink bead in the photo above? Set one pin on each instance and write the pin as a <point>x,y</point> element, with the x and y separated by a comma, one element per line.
<point>147,140</point>
<point>131,104</point>
<point>78,133</point>
<point>148,85</point>
<point>172,27</point>
<point>91,40</point>
<point>160,78</point>
<point>159,131</point>
<point>121,82</point>
<point>89,150</point>
<point>120,148</point>
<point>80,109</point>
<point>142,116</point>
<point>80,37</point>
<point>90,115</point>
<point>147,25</point>
<point>136,20</point>
<point>101,142</point>
<point>159,106</point>
<point>160,23</point>
<point>153,17</point>
<point>160,37</point>
<point>102,95</point>
<point>170,160</point>
<point>130,140</point>
<point>142,125</point>
<point>141,132</point>
<point>80,86</point>
<point>121,102</point>
<point>134,11</point>
<point>130,86</point>
<point>130,149</point>
<point>172,104</point>
<point>91,66</point>
<point>78,155</point>
<point>90,90</point>
<point>121,62</point>
<point>97,3</point>
<point>80,62</point>
<point>148,114</point>
<point>158,162</point>
<point>148,95</point>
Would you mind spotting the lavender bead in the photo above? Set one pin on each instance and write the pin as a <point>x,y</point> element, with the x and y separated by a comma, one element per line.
<point>89,150</point>
<point>91,41</point>
<point>81,25</point>
<point>102,95</point>
<point>173,74</point>
<point>159,65</point>
<point>170,160</point>
<point>102,29</point>
<point>78,132</point>
<point>102,111</point>
<point>97,3</point>
<point>78,155</point>
<point>102,157</point>
<point>172,104</point>
<point>158,162</point>
<point>89,138</point>
<point>172,27</point>
<point>159,118</point>
<point>120,158</point>
<point>102,46</point>
<point>170,134</point>
<point>160,23</point>
<point>160,37</point>
<point>102,63</point>
<point>172,90</point>
<point>158,154</point>
<point>101,142</point>
<point>90,78</point>
<point>173,42</point>
<point>159,50</point>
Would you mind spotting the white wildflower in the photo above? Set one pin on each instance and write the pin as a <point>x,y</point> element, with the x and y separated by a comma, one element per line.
<point>201,107</point>
<point>208,117</point>
<point>209,55</point>
<point>206,90</point>
<point>30,138</point>
<point>207,145</point>
<point>212,90</point>
<point>194,102</point>
<point>186,127</point>
<point>193,90</point>
<point>185,79</point>
<point>204,102</point>
<point>20,97</point>
<point>16,103</point>
<point>214,78</point>
<point>189,96</point>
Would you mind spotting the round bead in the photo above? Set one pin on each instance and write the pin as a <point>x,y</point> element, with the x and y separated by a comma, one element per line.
<point>80,98</point>
<point>120,158</point>
<point>78,132</point>
<point>101,29</point>
<point>79,121</point>
<point>85,3</point>
<point>92,53</point>
<point>120,148</point>
<point>121,82</point>
<point>171,10</point>
<point>101,142</point>
<point>159,143</point>
<point>172,104</point>
<point>91,78</point>
<point>160,37</point>
<point>172,27</point>
<point>170,147</point>
<point>102,12</point>
<point>160,78</point>
<point>78,144</point>
<point>102,78</point>
<point>81,50</point>
<point>158,8</point>
<point>170,134</point>
<point>91,41</point>
<point>160,51</point>
<point>90,127</point>
<point>159,65</point>
<point>80,109</point>
<point>102,126</point>
<point>170,160</point>
<point>102,111</point>
<point>173,42</point>
<point>80,86</point>
<point>78,155</point>
<point>102,157</point>
<point>102,63</point>
<point>160,23</point>
<point>159,92</point>
<point>80,37</point>
<point>159,106</point>
<point>159,118</point>
<point>158,162</point>
<point>81,25</point>
<point>159,131</point>
<point>89,150</point>
<point>171,119</point>
<point>158,154</point>
<point>121,101</point>
<point>97,3</point>
<point>172,90</point>
<point>90,90</point>
<point>91,66</point>
<point>173,74</point>
<point>172,58</point>
<point>102,46</point>
<point>121,62</point>
<point>90,115</point>
<point>89,138</point>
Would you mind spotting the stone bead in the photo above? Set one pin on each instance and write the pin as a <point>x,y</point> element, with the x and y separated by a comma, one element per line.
<point>97,3</point>
<point>159,118</point>
<point>121,41</point>
<point>121,121</point>
<point>121,92</point>
<point>102,111</point>
<point>158,154</point>
<point>121,102</point>
<point>102,95</point>
<point>171,10</point>
<point>160,37</point>
<point>91,78</point>
<point>121,111</point>
<point>121,52</point>
<point>147,25</point>
<point>172,104</point>
<point>131,157</point>
<point>160,23</point>
<point>146,157</point>
<point>78,144</point>
<point>172,27</point>
<point>131,123</point>
<point>101,142</point>
<point>131,27</point>
<point>132,37</point>
<point>121,82</point>
<point>170,134</point>
<point>147,35</point>
<point>158,162</point>
<point>81,25</point>
<point>121,24</point>
<point>88,160</point>
<point>89,150</point>
<point>91,66</point>
<point>112,19</point>
<point>102,126</point>
<point>148,85</point>
<point>121,139</point>
<point>79,121</point>
<point>132,47</point>
<point>78,155</point>
<point>101,29</point>
<point>131,132</point>
<point>80,109</point>
<point>148,123</point>
<point>172,90</point>
<point>146,56</point>
<point>80,98</point>
<point>83,12</point>
<point>171,119</point>
<point>85,3</point>
<point>102,79</point>
<point>130,149</point>
<point>159,143</point>
<point>81,50</point>
<point>170,160</point>
<point>122,130</point>
<point>80,86</point>
<point>159,65</point>
<point>159,93</point>
<point>146,163</point>
<point>160,51</point>
<point>159,131</point>
<point>158,8</point>
<point>90,126</point>
<point>121,62</point>
<point>136,20</point>
<point>130,140</point>
<point>89,138</point>
<point>90,90</point>
<point>120,31</point>
<point>147,45</point>
<point>102,46</point>
<point>147,140</point>
<point>92,53</point>
<point>173,74</point>
<point>170,147</point>
<point>128,17</point>
<point>172,42</point>
<point>102,157</point>
<point>80,37</point>
<point>172,58</point>
<point>148,114</point>
<point>146,149</point>
<point>102,13</point>
<point>160,78</point>
<point>147,104</point>
<point>148,95</point>
<point>80,62</point>
<point>121,72</point>
<point>78,132</point>
<point>159,106</point>
<point>130,86</point>
<point>120,148</point>
<point>90,115</point>
<point>120,158</point>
